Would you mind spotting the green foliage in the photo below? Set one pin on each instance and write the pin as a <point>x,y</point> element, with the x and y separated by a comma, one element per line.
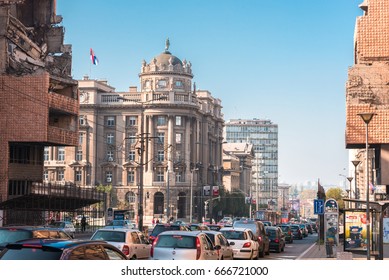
<point>336,194</point>
<point>102,188</point>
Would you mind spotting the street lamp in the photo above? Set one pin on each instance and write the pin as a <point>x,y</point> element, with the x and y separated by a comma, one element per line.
<point>141,153</point>
<point>367,117</point>
<point>356,190</point>
<point>350,179</point>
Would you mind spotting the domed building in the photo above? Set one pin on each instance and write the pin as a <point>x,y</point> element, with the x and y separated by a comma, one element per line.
<point>157,147</point>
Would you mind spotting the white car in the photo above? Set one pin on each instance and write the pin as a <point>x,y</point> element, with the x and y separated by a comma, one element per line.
<point>225,252</point>
<point>66,226</point>
<point>242,241</point>
<point>184,245</point>
<point>131,242</point>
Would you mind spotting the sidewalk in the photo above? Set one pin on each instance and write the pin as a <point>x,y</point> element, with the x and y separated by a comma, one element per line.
<point>317,252</point>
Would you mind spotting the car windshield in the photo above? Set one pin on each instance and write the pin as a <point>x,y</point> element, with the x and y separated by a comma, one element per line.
<point>58,224</point>
<point>295,228</point>
<point>113,236</point>
<point>236,235</point>
<point>271,233</point>
<point>176,241</point>
<point>285,228</point>
<point>31,254</point>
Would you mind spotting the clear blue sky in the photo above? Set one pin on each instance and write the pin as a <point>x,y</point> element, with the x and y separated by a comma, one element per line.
<point>282,60</point>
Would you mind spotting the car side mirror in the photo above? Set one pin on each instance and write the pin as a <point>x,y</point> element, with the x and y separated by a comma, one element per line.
<point>232,243</point>
<point>217,247</point>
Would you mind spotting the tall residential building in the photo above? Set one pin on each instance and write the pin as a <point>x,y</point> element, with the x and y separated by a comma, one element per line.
<point>39,106</point>
<point>166,137</point>
<point>263,134</point>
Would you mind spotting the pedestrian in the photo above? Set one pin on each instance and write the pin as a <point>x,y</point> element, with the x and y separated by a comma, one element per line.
<point>330,240</point>
<point>153,222</point>
<point>83,223</point>
<point>157,221</point>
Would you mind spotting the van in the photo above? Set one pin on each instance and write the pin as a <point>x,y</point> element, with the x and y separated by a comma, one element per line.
<point>258,228</point>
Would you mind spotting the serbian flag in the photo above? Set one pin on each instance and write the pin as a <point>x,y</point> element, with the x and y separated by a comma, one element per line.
<point>372,187</point>
<point>93,57</point>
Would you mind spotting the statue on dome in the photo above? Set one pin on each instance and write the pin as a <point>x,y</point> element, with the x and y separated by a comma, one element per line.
<point>167,44</point>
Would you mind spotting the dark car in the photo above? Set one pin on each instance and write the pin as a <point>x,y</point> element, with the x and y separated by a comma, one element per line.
<point>158,228</point>
<point>287,230</point>
<point>276,238</point>
<point>309,228</point>
<point>258,229</point>
<point>12,234</point>
<point>297,234</point>
<point>198,227</point>
<point>60,249</point>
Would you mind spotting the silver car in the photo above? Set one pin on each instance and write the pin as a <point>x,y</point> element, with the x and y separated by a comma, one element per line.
<point>225,252</point>
<point>132,242</point>
<point>184,245</point>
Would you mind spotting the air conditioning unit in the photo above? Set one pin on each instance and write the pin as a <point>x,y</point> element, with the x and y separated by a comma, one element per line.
<point>109,179</point>
<point>110,159</point>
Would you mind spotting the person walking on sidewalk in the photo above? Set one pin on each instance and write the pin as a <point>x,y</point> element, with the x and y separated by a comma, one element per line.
<point>83,223</point>
<point>331,240</point>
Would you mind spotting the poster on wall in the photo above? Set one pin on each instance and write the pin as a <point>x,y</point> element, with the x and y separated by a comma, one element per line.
<point>386,230</point>
<point>355,237</point>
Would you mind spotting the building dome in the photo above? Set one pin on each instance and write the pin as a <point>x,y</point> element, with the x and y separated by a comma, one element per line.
<point>166,58</point>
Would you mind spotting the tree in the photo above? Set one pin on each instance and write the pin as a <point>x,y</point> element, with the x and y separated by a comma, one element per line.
<point>336,194</point>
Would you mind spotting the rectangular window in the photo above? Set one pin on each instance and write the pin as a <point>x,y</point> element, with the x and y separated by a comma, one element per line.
<point>80,138</point>
<point>61,175</point>
<point>161,155</point>
<point>161,120</point>
<point>79,155</point>
<point>110,155</point>
<point>130,176</point>
<point>45,175</point>
<point>178,121</point>
<point>110,138</point>
<point>46,154</point>
<point>178,138</point>
<point>110,121</point>
<point>161,137</point>
<point>131,138</point>
<point>160,175</point>
<point>78,176</point>
<point>61,153</point>
<point>131,155</point>
<point>108,176</point>
<point>179,176</point>
<point>82,120</point>
<point>131,120</point>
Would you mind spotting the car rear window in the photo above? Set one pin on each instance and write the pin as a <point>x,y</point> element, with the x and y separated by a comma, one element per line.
<point>176,241</point>
<point>236,235</point>
<point>113,236</point>
<point>13,235</point>
<point>30,254</point>
<point>161,228</point>
<point>251,226</point>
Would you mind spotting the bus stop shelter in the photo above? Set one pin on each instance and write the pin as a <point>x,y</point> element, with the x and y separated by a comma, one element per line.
<point>377,210</point>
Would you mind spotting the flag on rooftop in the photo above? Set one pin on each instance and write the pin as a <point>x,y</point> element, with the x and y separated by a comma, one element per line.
<point>93,57</point>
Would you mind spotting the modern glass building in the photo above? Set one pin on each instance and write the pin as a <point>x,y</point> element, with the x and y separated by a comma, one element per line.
<point>263,134</point>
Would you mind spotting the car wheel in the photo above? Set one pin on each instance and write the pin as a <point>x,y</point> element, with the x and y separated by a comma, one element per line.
<point>262,253</point>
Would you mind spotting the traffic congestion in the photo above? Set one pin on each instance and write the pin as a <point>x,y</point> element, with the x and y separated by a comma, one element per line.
<point>229,239</point>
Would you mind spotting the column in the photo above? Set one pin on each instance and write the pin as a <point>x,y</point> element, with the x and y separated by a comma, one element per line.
<point>170,143</point>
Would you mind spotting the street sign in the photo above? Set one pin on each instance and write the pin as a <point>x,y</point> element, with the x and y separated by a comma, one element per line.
<point>318,206</point>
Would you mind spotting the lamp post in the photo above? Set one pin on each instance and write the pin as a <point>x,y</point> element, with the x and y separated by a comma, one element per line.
<point>191,195</point>
<point>356,190</point>
<point>350,192</point>
<point>367,117</point>
<point>141,153</point>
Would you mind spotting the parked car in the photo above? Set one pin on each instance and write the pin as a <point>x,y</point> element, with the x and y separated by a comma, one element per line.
<point>258,229</point>
<point>132,242</point>
<point>121,224</point>
<point>65,226</point>
<point>12,234</point>
<point>158,228</point>
<point>60,249</point>
<point>287,230</point>
<point>184,245</point>
<point>297,234</point>
<point>277,238</point>
<point>225,252</point>
<point>243,242</point>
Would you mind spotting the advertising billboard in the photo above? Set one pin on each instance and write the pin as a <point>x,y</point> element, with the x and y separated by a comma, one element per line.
<point>355,237</point>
